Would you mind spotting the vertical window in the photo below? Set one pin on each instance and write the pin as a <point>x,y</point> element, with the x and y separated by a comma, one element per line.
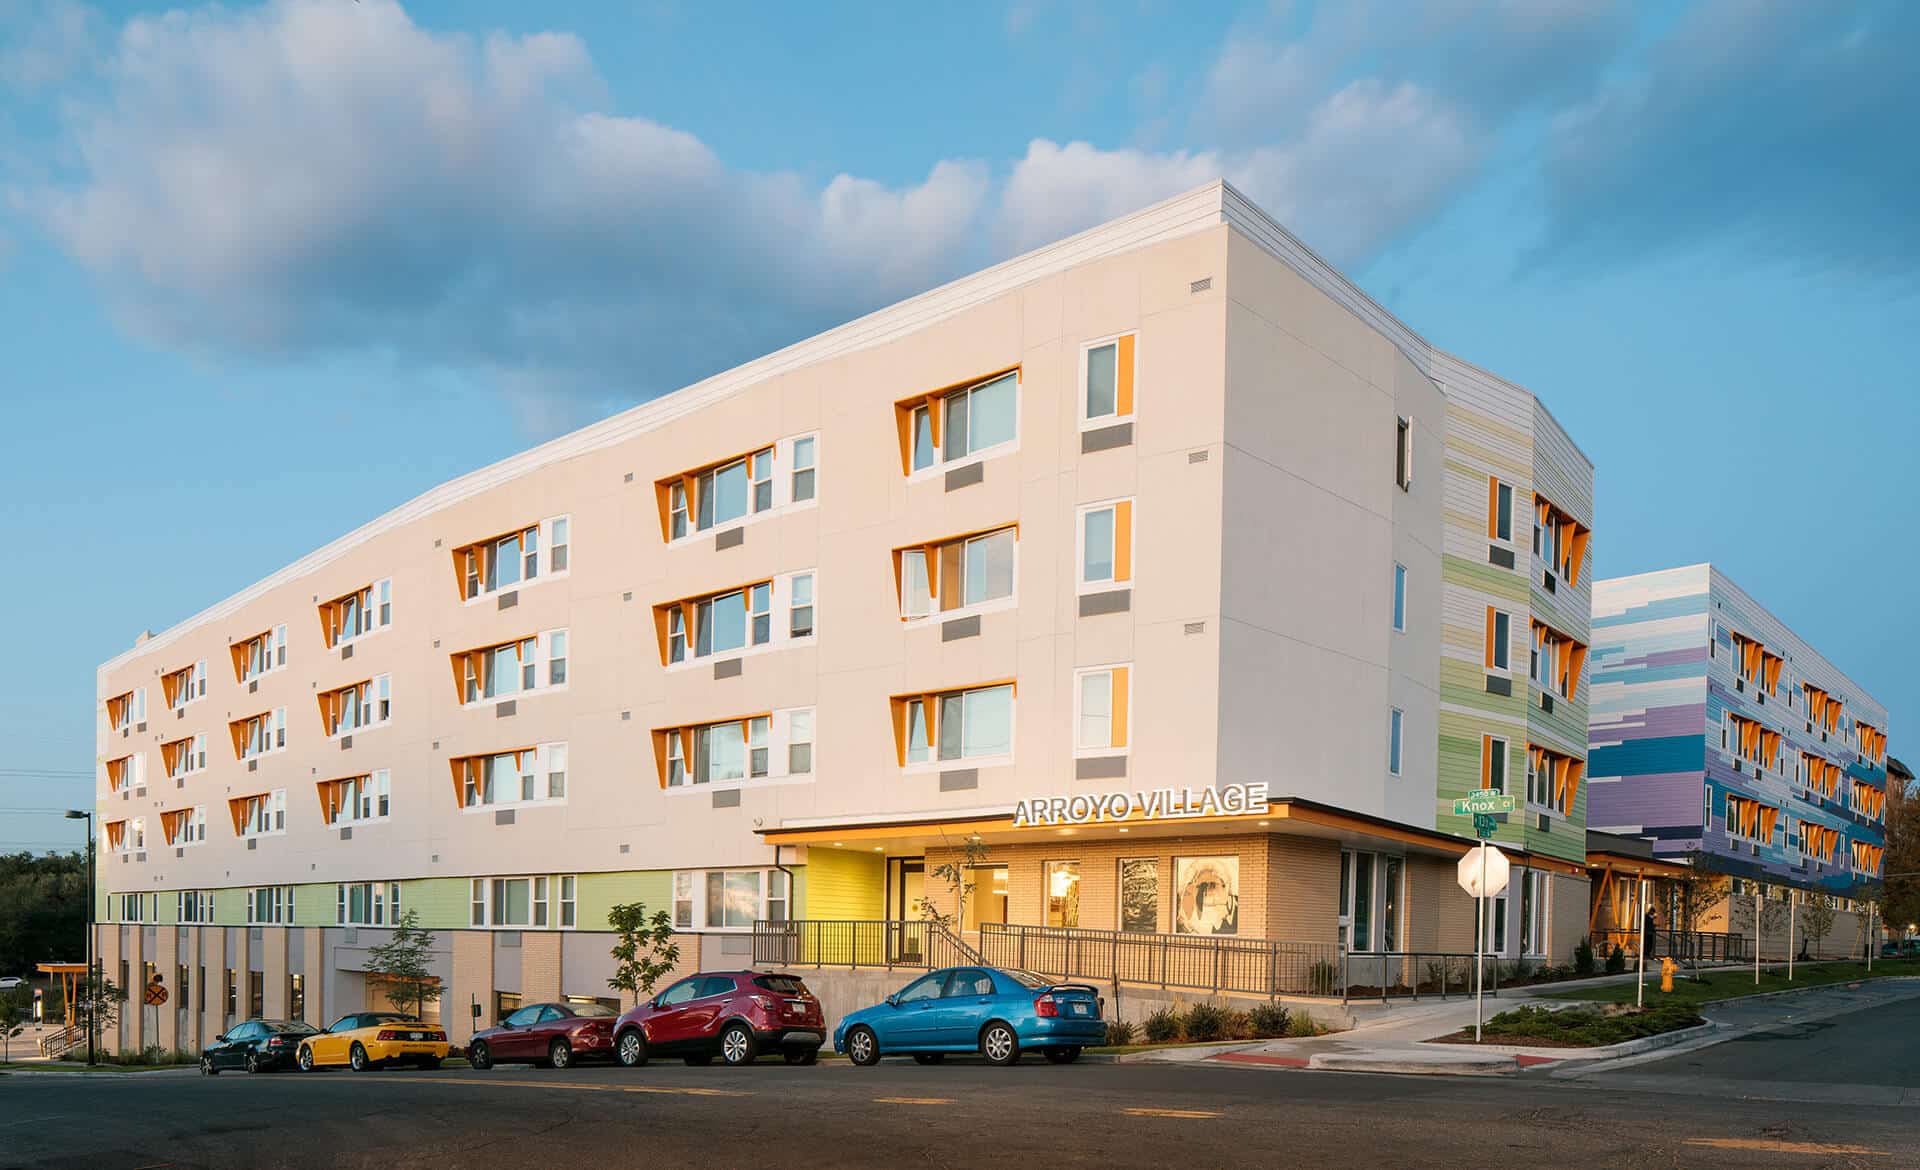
<point>383,591</point>
<point>917,733</point>
<point>1400,597</point>
<point>777,899</point>
<point>1390,903</point>
<point>1499,639</point>
<point>1140,895</point>
<point>540,901</point>
<point>1103,702</point>
<point>556,771</point>
<point>676,760</point>
<point>677,634</point>
<point>1533,913</point>
<point>1395,722</point>
<point>800,743</point>
<point>1403,454</point>
<point>683,901</point>
<point>1499,510</point>
<point>1061,880</point>
<point>562,544</point>
<point>557,658</point>
<point>923,452</point>
<point>1493,771</point>
<point>760,471</point>
<point>800,607</point>
<point>803,469</point>
<point>976,723</point>
<point>478,901</point>
<point>916,599</point>
<point>1361,915</point>
<point>569,900</point>
<point>677,506</point>
<point>1108,378</point>
<point>1106,543</point>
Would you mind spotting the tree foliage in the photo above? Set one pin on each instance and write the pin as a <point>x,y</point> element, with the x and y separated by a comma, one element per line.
<point>644,950</point>
<point>43,910</point>
<point>957,874</point>
<point>403,965</point>
<point>1899,897</point>
<point>1816,917</point>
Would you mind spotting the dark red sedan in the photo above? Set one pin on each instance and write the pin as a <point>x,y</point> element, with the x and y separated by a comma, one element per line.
<point>735,1015</point>
<point>555,1034</point>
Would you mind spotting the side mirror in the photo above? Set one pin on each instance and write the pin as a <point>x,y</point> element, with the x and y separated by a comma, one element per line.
<point>221,1039</point>
<point>893,1000</point>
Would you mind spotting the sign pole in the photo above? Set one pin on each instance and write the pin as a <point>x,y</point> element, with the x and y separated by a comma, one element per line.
<point>1870,946</point>
<point>1482,806</point>
<point>1480,973</point>
<point>1640,986</point>
<point>1793,914</point>
<point>1756,933</point>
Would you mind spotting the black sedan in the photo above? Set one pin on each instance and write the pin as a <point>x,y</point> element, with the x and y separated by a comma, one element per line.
<point>257,1046</point>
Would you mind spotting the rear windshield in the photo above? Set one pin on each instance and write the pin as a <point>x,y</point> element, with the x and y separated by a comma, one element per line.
<point>389,1018</point>
<point>291,1027</point>
<point>591,1009</point>
<point>1029,979</point>
<point>781,984</point>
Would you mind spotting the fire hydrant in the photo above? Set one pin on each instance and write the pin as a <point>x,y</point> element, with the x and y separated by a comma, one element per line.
<point>1667,968</point>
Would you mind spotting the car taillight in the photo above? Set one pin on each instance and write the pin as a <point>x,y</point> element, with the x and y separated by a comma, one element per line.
<point>764,1003</point>
<point>436,1035</point>
<point>277,1042</point>
<point>387,1034</point>
<point>1047,1006</point>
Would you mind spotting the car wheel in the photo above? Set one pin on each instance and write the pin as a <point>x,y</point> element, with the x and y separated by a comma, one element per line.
<point>253,1062</point>
<point>863,1047</point>
<point>631,1049</point>
<point>480,1056</point>
<point>999,1045</point>
<point>801,1055</point>
<point>206,1066</point>
<point>737,1046</point>
<point>304,1061</point>
<point>560,1054</point>
<point>699,1061</point>
<point>357,1057</point>
<point>929,1057</point>
<point>1066,1055</point>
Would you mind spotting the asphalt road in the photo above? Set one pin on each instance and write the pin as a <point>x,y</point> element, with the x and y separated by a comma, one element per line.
<point>1696,1110</point>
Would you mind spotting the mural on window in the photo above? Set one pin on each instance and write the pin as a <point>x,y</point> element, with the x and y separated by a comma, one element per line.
<point>1209,895</point>
<point>1140,895</point>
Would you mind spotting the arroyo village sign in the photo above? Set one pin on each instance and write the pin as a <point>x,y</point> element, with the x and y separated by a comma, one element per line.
<point>1154,804</point>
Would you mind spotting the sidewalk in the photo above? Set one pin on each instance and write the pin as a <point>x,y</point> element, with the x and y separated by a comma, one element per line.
<point>1395,1040</point>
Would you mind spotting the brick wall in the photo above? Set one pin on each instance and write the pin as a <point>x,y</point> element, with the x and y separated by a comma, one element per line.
<point>472,981</point>
<point>539,966</point>
<point>273,966</point>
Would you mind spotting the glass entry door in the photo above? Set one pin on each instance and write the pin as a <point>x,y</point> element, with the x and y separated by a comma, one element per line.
<point>907,892</point>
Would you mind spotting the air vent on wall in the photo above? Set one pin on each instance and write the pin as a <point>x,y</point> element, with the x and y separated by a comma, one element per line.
<point>1196,457</point>
<point>1196,627</point>
<point>1201,285</point>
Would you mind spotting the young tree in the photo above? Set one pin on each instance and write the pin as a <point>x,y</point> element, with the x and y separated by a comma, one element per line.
<point>98,1001</point>
<point>1695,897</point>
<point>645,950</point>
<point>957,874</point>
<point>403,965</point>
<point>1816,918</point>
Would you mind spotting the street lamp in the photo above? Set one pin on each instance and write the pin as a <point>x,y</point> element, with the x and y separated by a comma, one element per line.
<point>93,987</point>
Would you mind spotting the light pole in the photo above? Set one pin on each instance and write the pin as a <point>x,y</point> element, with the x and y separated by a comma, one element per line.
<point>93,988</point>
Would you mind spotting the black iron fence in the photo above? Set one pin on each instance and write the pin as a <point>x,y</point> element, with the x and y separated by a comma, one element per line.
<point>1412,974</point>
<point>1684,946</point>
<point>1215,963</point>
<point>820,942</point>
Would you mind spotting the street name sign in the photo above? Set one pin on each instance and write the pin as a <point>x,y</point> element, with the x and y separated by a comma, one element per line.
<point>1487,800</point>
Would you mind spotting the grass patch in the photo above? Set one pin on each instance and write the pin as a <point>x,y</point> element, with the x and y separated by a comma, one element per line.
<point>1579,1027</point>
<point>1733,982</point>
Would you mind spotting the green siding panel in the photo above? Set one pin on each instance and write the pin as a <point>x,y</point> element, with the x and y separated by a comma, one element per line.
<point>438,903</point>
<point>316,904</point>
<point>601,892</point>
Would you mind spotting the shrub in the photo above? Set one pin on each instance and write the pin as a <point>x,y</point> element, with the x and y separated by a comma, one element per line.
<point>1119,1033</point>
<point>1302,1024</point>
<point>1616,960</point>
<point>1588,1026</point>
<point>1163,1025</point>
<point>1583,957</point>
<point>1237,1026</point>
<point>1205,1021</point>
<point>1323,978</point>
<point>1268,1019</point>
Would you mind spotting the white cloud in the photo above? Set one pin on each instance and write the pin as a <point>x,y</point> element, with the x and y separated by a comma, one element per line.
<point>44,42</point>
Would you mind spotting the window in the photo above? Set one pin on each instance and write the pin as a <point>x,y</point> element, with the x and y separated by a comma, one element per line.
<point>1102,699</point>
<point>1106,545</point>
<point>950,425</point>
<point>512,559</point>
<point>1371,897</point>
<point>958,725</point>
<point>1553,780</point>
<point>1867,858</point>
<point>1106,378</point>
<point>116,835</point>
<point>957,573</point>
<point>356,798</point>
<point>1403,454</point>
<point>270,906</point>
<point>1534,895</point>
<point>569,900</point>
<point>259,734</point>
<point>259,654</point>
<point>357,707</point>
<point>260,814</point>
<point>1499,510</point>
<point>183,827</point>
<point>129,771</point>
<point>1559,540</point>
<point>733,899</point>
<point>367,903</point>
<point>1499,639</point>
<point>526,665</point>
<point>734,749</point>
<point>185,685</point>
<point>509,778</point>
<point>803,469</point>
<point>683,901</point>
<point>1749,820</point>
<point>1493,763</point>
<point>1400,598</point>
<point>193,906</point>
<point>800,742</point>
<point>357,614</point>
<point>800,606</point>
<point>184,757</point>
<point>1060,883</point>
<point>1390,868</point>
<point>1140,895</point>
<point>125,711</point>
<point>1396,721</point>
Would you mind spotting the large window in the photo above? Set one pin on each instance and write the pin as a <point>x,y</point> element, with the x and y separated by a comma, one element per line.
<point>367,903</point>
<point>1060,881</point>
<point>1140,895</point>
<point>512,559</point>
<point>757,747</point>
<point>270,906</point>
<point>952,425</point>
<point>357,614</point>
<point>259,815</point>
<point>958,573</point>
<point>732,899</point>
<point>357,707</point>
<point>539,902</point>
<point>738,488</point>
<point>184,826</point>
<point>195,907</point>
<point>503,670</point>
<point>1749,820</point>
<point>357,799</point>
<point>260,654</point>
<point>127,711</point>
<point>1106,379</point>
<point>1499,639</point>
<point>259,734</point>
<point>185,685</point>
<point>1103,701</point>
<point>954,726</point>
<point>1553,780</point>
<point>184,757</point>
<point>128,772</point>
<point>1555,661</point>
<point>1106,545</point>
<point>736,621</point>
<point>527,775</point>
<point>1371,902</point>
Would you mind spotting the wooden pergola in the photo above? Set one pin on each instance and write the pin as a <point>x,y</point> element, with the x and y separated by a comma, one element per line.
<point>70,975</point>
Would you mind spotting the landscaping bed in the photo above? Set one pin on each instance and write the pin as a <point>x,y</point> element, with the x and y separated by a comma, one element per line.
<point>1734,982</point>
<point>1578,1027</point>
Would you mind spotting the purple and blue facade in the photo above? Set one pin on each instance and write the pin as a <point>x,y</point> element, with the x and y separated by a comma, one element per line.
<point>1716,732</point>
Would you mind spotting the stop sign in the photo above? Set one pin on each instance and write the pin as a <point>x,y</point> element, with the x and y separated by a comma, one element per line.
<point>1496,871</point>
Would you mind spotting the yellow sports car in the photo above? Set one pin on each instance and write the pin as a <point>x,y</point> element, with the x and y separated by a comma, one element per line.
<point>367,1040</point>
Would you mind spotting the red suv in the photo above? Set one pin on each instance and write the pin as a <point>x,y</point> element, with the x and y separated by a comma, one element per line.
<point>735,1015</point>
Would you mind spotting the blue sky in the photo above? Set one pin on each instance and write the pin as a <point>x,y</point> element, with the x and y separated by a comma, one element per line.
<point>252,257</point>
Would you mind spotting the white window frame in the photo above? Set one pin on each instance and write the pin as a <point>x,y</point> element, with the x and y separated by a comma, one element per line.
<point>195,688</point>
<point>990,605</point>
<point>271,815</point>
<point>136,710</point>
<point>1502,646</point>
<point>1399,599</point>
<point>541,556</point>
<point>278,906</point>
<point>775,743</point>
<point>690,886</point>
<point>1536,914</point>
<point>1377,865</point>
<point>1095,422</point>
<point>194,759</point>
<point>273,734</point>
<point>942,463</point>
<point>934,762</point>
<point>1080,515</point>
<point>272,651</point>
<point>533,656</point>
<point>372,792</point>
<point>778,614</point>
<point>544,890</point>
<point>1084,751</point>
<point>539,770</point>
<point>781,476</point>
<point>1396,741</point>
<point>195,831</point>
<point>379,903</point>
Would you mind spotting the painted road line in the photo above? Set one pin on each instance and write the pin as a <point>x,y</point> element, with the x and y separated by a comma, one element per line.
<point>1144,1112</point>
<point>585,1087</point>
<point>913,1100</point>
<point>1768,1145</point>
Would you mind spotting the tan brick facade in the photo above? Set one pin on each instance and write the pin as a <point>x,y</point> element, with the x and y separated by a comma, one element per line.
<point>472,983</point>
<point>539,966</point>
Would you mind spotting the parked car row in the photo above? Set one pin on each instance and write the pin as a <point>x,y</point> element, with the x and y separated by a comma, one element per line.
<point>736,1016</point>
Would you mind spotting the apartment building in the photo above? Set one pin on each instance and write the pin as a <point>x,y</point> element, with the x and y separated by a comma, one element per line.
<point>1159,578</point>
<point>1722,737</point>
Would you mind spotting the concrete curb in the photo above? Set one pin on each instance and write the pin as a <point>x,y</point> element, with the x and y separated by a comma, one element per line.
<point>1185,1054</point>
<point>1414,1064</point>
<point>1604,1052</point>
<point>123,1074</point>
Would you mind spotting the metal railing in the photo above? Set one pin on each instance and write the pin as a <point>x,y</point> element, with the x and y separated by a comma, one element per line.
<point>57,1044</point>
<point>820,942</point>
<point>1215,963</point>
<point>1684,946</point>
<point>1411,974</point>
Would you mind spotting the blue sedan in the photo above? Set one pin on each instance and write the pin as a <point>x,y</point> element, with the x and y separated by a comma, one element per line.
<point>976,1009</point>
